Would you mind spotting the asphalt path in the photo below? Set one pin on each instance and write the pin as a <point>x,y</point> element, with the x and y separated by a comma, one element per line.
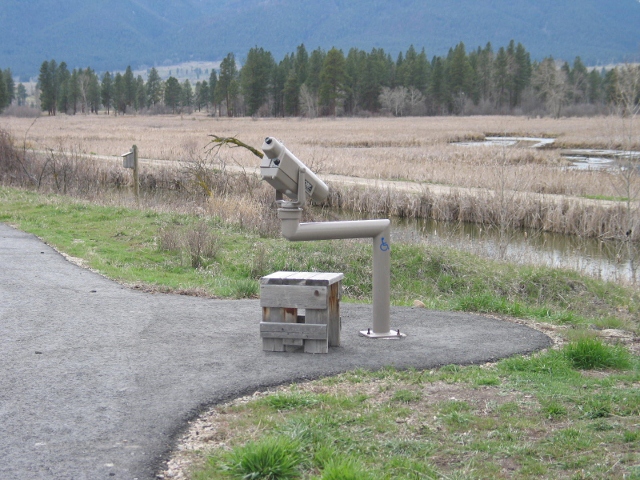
<point>98,380</point>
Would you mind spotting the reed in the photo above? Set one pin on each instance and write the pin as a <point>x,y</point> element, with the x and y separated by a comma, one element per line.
<point>489,185</point>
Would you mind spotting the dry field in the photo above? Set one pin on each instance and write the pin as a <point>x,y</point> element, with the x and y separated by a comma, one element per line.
<point>413,149</point>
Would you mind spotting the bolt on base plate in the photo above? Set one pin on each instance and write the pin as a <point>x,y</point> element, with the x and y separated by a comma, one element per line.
<point>391,334</point>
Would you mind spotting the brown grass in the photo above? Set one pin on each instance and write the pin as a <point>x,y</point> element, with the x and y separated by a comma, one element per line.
<point>416,150</point>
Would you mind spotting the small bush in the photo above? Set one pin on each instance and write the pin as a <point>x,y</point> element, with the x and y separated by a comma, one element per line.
<point>201,244</point>
<point>272,458</point>
<point>590,353</point>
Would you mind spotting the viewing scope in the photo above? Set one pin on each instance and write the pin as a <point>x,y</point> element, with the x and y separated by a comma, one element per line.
<point>281,169</point>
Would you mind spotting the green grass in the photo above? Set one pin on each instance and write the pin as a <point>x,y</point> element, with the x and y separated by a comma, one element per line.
<point>568,413</point>
<point>545,419</point>
<point>130,246</point>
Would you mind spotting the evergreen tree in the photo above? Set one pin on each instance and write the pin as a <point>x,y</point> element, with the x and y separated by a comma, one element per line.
<point>186,95</point>
<point>119,94</point>
<point>202,94</point>
<point>47,83</point>
<point>22,95</point>
<point>316,61</point>
<point>255,75</point>
<point>93,91</point>
<point>227,85</point>
<point>459,77</point>
<point>377,74</point>
<point>129,86</point>
<point>4,95</point>
<point>141,100</point>
<point>301,64</point>
<point>172,92</point>
<point>279,74</point>
<point>106,91</point>
<point>10,86</point>
<point>522,75</point>
<point>594,87</point>
<point>213,84</point>
<point>154,88</point>
<point>355,71</point>
<point>501,78</point>
<point>332,79</point>
<point>291,94</point>
<point>438,91</point>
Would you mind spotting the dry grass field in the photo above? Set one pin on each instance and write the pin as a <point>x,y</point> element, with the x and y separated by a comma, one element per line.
<point>414,149</point>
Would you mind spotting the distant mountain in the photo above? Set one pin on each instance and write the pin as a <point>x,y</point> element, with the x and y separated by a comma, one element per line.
<point>111,35</point>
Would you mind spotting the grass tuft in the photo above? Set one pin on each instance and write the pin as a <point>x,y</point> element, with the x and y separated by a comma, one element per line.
<point>271,458</point>
<point>591,353</point>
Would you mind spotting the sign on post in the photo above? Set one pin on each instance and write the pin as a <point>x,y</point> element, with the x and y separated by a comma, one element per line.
<point>130,160</point>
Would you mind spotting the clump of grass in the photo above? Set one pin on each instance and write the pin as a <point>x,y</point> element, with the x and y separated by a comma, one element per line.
<point>591,353</point>
<point>406,396</point>
<point>344,468</point>
<point>197,240</point>
<point>289,401</point>
<point>271,458</point>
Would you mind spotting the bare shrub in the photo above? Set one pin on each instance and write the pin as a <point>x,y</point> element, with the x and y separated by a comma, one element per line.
<point>169,238</point>
<point>201,244</point>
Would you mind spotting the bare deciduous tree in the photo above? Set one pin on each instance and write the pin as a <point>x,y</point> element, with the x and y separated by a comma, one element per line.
<point>550,83</point>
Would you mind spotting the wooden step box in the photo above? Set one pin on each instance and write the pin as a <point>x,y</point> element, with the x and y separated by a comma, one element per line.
<point>283,294</point>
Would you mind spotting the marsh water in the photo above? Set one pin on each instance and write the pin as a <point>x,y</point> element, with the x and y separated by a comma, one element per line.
<point>581,159</point>
<point>606,260</point>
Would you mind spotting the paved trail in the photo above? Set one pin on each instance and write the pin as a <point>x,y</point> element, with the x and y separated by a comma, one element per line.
<point>97,380</point>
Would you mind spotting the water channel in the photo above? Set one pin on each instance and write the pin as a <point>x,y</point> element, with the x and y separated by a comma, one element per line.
<point>581,159</point>
<point>606,260</point>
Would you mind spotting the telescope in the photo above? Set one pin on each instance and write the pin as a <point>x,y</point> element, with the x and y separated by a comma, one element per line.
<point>281,169</point>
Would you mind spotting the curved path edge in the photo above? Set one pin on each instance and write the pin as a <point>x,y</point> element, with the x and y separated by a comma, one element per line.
<point>98,380</point>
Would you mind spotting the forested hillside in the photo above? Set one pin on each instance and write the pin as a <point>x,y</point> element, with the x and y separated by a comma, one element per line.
<point>145,32</point>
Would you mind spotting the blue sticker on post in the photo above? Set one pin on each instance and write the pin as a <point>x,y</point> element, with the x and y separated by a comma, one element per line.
<point>384,246</point>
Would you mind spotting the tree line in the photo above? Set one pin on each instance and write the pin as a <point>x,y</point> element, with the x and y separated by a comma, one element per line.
<point>330,83</point>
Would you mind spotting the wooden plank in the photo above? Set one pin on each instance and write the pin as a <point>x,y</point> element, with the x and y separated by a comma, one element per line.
<point>301,278</point>
<point>325,278</point>
<point>293,342</point>
<point>334,314</point>
<point>317,318</point>
<point>293,296</point>
<point>272,315</point>
<point>293,331</point>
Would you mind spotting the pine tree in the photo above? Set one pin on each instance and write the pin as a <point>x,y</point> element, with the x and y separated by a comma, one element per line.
<point>255,75</point>
<point>119,94</point>
<point>355,66</point>
<point>154,88</point>
<point>316,60</point>
<point>10,86</point>
<point>213,84</point>
<point>106,91</point>
<point>332,79</point>
<point>47,83</point>
<point>22,95</point>
<point>4,95</point>
<point>186,95</point>
<point>172,91</point>
<point>94,91</point>
<point>129,86</point>
<point>227,85</point>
